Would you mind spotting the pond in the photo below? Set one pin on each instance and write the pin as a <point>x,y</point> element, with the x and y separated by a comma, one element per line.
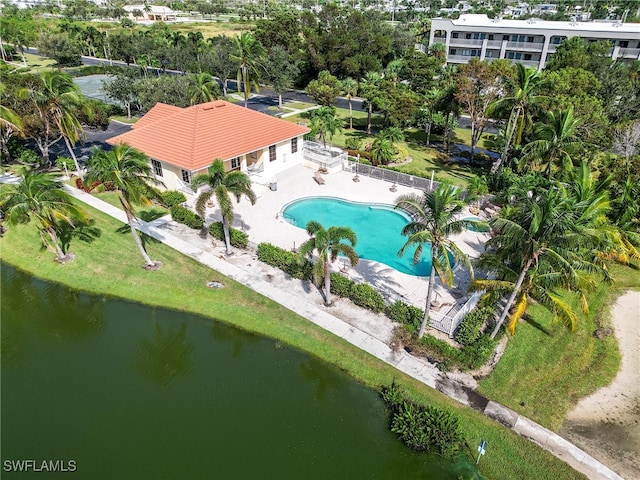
<point>130,392</point>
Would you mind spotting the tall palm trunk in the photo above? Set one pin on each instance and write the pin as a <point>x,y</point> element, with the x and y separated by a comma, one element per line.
<point>350,115</point>
<point>427,131</point>
<point>516,288</point>
<point>509,133</point>
<point>369,113</point>
<point>73,155</point>
<point>427,307</point>
<point>136,238</point>
<point>327,281</point>
<point>227,235</point>
<point>56,246</point>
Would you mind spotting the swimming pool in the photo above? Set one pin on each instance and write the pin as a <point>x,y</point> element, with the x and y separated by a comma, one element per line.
<point>377,226</point>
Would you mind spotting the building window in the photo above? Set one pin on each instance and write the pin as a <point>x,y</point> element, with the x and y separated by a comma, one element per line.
<point>623,43</point>
<point>235,163</point>
<point>453,51</point>
<point>468,35</point>
<point>186,176</point>
<point>272,153</point>
<point>529,39</point>
<point>157,167</point>
<point>490,36</point>
<point>527,56</point>
<point>505,37</point>
<point>294,145</point>
<point>454,35</point>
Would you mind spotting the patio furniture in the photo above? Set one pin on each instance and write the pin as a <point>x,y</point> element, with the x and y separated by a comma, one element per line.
<point>318,178</point>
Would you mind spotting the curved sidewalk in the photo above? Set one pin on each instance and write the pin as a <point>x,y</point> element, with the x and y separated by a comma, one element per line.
<point>414,367</point>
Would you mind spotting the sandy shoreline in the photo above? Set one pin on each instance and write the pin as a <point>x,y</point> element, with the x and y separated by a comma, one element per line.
<point>606,424</point>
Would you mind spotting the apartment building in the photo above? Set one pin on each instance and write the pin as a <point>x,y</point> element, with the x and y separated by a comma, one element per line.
<point>527,41</point>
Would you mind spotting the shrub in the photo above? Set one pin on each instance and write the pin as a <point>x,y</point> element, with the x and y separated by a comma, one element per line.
<point>186,217</point>
<point>341,285</point>
<point>238,239</point>
<point>286,261</point>
<point>423,428</point>
<point>409,315</point>
<point>478,353</point>
<point>470,328</point>
<point>29,157</point>
<point>366,296</point>
<point>88,188</point>
<point>60,162</point>
<point>171,198</point>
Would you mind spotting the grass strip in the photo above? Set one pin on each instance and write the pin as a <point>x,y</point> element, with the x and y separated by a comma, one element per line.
<point>546,369</point>
<point>111,266</point>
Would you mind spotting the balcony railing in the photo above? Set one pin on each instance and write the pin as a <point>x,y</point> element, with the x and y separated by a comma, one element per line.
<point>460,58</point>
<point>466,42</point>
<point>629,53</point>
<point>528,46</point>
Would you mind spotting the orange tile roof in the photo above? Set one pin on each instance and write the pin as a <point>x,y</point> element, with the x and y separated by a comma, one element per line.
<point>158,112</point>
<point>193,137</point>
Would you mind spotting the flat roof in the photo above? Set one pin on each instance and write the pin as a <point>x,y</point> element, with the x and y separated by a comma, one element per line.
<point>481,20</point>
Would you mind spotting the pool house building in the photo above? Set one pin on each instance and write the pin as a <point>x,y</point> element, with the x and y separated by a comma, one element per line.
<point>184,142</point>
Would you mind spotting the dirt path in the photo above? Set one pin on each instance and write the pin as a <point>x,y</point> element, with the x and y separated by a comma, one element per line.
<point>606,424</point>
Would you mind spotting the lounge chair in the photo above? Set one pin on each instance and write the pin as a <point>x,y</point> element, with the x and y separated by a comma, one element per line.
<point>318,178</point>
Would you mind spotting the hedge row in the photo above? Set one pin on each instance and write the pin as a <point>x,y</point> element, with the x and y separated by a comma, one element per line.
<point>286,261</point>
<point>238,239</point>
<point>362,294</point>
<point>187,217</point>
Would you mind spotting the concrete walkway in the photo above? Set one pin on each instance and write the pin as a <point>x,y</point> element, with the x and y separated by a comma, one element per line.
<point>401,360</point>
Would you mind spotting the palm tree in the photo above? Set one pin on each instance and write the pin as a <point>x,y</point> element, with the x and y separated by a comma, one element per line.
<point>221,184</point>
<point>382,150</point>
<point>325,123</point>
<point>434,218</point>
<point>546,241</point>
<point>10,122</point>
<point>476,187</point>
<point>40,196</point>
<point>522,97</point>
<point>129,171</point>
<point>370,89</point>
<point>249,53</point>
<point>58,100</point>
<point>350,89</point>
<point>329,244</point>
<point>556,140</point>
<point>205,89</point>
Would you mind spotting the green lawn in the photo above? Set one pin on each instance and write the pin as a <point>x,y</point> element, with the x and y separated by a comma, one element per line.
<point>35,63</point>
<point>112,264</point>
<point>424,159</point>
<point>124,119</point>
<point>546,369</point>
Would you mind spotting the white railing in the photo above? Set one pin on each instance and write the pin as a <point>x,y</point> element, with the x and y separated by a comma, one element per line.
<point>447,323</point>
<point>324,157</point>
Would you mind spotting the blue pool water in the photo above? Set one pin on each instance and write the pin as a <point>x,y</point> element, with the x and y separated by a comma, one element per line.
<point>377,226</point>
<point>481,226</point>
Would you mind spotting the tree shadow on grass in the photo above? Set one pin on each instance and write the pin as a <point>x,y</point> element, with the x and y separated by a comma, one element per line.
<point>537,325</point>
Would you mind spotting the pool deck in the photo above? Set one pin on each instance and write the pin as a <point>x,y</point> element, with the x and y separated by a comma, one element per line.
<point>264,223</point>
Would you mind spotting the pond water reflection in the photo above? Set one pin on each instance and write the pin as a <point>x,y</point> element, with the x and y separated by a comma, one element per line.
<point>131,392</point>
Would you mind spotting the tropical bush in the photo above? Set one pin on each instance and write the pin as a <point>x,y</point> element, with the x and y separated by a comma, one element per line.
<point>171,198</point>
<point>423,428</point>
<point>409,315</point>
<point>186,217</point>
<point>471,327</point>
<point>286,261</point>
<point>341,285</point>
<point>366,296</point>
<point>238,239</point>
<point>61,161</point>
